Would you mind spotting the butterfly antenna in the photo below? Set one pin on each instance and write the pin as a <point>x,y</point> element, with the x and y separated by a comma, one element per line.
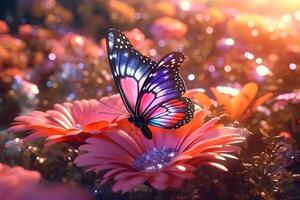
<point>132,128</point>
<point>111,113</point>
<point>113,108</point>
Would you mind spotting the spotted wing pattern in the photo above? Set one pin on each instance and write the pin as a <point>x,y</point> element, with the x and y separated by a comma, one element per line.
<point>161,103</point>
<point>129,67</point>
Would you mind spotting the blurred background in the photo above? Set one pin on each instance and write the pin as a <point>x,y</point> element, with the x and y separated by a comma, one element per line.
<point>53,51</point>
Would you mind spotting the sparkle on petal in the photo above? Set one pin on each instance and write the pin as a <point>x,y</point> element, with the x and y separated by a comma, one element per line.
<point>155,159</point>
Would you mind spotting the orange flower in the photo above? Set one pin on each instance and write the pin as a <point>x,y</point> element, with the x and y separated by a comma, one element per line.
<point>171,157</point>
<point>7,75</point>
<point>121,13</point>
<point>163,8</point>
<point>12,52</point>
<point>27,30</point>
<point>239,104</point>
<point>3,27</point>
<point>71,122</point>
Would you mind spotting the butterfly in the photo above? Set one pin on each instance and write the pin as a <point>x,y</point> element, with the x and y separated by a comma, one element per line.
<point>151,91</point>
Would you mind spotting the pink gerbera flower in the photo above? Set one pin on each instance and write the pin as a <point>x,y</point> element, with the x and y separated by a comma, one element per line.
<point>165,161</point>
<point>71,122</point>
<point>16,179</point>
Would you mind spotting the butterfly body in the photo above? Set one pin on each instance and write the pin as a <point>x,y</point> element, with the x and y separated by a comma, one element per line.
<point>141,125</point>
<point>151,91</point>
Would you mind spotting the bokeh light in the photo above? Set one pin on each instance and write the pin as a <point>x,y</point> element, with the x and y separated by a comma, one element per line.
<point>262,70</point>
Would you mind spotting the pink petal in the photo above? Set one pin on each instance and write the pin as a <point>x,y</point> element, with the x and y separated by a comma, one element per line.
<point>130,183</point>
<point>66,112</point>
<point>175,182</point>
<point>34,136</point>
<point>77,112</point>
<point>60,119</point>
<point>181,167</point>
<point>111,173</point>
<point>158,185</point>
<point>161,177</point>
<point>181,157</point>
<point>112,108</point>
<point>181,174</point>
<point>106,149</point>
<point>164,137</point>
<point>126,141</point>
<point>107,166</point>
<point>196,135</point>
<point>126,174</point>
<point>229,156</point>
<point>217,165</point>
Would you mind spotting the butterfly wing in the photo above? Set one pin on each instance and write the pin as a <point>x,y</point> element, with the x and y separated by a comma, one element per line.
<point>161,103</point>
<point>172,114</point>
<point>150,91</point>
<point>129,67</point>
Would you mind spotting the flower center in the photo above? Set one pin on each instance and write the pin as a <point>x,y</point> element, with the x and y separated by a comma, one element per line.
<point>155,159</point>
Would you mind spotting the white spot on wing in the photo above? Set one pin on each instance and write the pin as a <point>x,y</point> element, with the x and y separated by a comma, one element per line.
<point>110,40</point>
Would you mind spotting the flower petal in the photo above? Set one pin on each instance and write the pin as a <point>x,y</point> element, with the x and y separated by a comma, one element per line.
<point>129,183</point>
